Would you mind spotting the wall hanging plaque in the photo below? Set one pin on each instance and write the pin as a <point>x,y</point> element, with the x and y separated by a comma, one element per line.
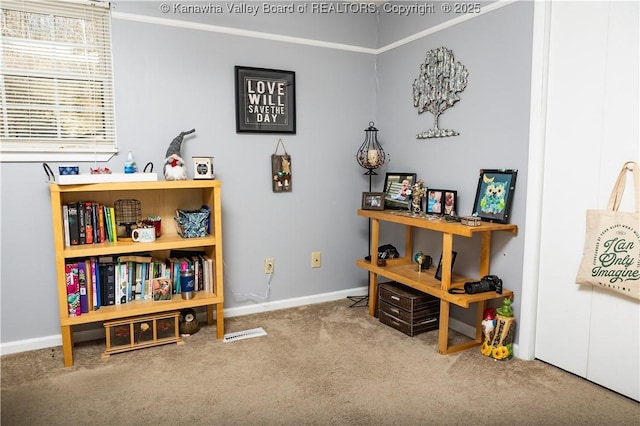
<point>265,100</point>
<point>436,88</point>
<point>281,170</point>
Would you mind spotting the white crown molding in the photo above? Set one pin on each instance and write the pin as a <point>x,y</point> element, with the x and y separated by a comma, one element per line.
<point>306,41</point>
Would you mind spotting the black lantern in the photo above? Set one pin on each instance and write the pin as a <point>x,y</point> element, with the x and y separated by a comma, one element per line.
<point>370,155</point>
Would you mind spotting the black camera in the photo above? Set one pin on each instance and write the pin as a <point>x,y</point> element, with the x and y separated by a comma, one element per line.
<point>487,283</point>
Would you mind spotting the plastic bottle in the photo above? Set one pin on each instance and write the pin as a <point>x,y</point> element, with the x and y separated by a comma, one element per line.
<point>130,165</point>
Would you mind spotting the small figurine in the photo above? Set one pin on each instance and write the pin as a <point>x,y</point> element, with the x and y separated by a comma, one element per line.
<point>174,166</point>
<point>488,322</point>
<point>505,310</point>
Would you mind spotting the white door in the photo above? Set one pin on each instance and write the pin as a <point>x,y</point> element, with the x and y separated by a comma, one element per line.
<point>592,121</point>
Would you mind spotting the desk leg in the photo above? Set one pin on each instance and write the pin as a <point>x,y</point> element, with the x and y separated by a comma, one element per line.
<point>443,330</point>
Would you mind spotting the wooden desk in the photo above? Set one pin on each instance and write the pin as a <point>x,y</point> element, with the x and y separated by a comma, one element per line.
<point>404,270</point>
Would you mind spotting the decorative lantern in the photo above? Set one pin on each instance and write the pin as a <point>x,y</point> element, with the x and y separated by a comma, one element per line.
<point>370,155</point>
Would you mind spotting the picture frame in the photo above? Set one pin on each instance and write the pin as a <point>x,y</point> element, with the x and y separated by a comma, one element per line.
<point>441,201</point>
<point>494,195</point>
<point>265,100</point>
<point>438,274</point>
<point>394,188</point>
<point>161,289</point>
<point>373,201</point>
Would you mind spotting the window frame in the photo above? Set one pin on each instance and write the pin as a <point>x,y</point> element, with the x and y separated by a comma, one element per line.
<point>68,132</point>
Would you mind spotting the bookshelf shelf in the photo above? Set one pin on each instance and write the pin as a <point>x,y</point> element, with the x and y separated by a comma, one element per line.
<point>161,199</point>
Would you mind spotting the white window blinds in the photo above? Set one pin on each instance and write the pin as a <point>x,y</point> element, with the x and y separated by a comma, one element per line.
<point>56,81</point>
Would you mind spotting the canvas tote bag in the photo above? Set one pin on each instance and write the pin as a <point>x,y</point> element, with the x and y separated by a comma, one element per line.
<point>611,257</point>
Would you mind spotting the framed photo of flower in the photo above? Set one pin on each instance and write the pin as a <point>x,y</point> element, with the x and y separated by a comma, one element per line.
<point>397,190</point>
<point>494,195</point>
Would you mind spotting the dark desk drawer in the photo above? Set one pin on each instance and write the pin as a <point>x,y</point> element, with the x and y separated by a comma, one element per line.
<point>411,317</point>
<point>405,297</point>
<point>426,324</point>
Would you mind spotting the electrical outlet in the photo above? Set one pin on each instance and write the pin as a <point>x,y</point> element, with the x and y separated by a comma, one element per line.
<point>315,259</point>
<point>268,265</point>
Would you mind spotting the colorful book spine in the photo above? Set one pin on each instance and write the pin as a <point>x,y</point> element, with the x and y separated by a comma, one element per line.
<point>90,284</point>
<point>88,222</point>
<point>82,287</point>
<point>101,224</point>
<point>74,230</point>
<point>112,215</point>
<point>95,271</point>
<point>65,222</point>
<point>73,292</point>
<point>81,223</point>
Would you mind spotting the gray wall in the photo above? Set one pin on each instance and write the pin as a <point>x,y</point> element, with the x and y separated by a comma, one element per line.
<point>492,118</point>
<point>170,79</point>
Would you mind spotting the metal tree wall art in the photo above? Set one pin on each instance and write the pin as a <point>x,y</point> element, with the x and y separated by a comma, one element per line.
<point>436,88</point>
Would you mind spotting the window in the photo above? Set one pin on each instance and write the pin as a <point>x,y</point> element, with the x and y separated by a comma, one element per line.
<point>56,86</point>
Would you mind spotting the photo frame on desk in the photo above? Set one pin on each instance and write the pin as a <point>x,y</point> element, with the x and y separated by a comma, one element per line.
<point>441,201</point>
<point>494,195</point>
<point>396,186</point>
<point>438,274</point>
<point>265,100</point>
<point>373,201</point>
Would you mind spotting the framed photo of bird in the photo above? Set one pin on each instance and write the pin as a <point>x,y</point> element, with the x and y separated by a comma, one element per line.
<point>494,195</point>
<point>265,100</point>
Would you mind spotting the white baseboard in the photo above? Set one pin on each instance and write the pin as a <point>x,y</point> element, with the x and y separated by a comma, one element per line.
<point>98,332</point>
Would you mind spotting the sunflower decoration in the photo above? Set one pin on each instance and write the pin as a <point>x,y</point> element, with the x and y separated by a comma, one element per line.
<point>501,352</point>
<point>486,348</point>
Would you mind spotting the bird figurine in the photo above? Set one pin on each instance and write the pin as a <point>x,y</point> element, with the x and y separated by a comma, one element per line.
<point>174,166</point>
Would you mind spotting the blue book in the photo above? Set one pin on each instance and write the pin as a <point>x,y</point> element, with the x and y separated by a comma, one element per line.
<point>82,284</point>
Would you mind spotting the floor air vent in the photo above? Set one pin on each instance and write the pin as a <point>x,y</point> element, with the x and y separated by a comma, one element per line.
<point>247,334</point>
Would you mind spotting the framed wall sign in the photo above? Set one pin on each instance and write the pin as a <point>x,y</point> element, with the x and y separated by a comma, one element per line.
<point>265,100</point>
<point>494,195</point>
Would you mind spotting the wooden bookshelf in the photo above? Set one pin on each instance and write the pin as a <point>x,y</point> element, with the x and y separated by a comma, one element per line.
<point>404,270</point>
<point>157,199</point>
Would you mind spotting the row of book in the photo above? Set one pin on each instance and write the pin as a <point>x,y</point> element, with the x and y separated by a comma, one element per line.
<point>88,222</point>
<point>102,281</point>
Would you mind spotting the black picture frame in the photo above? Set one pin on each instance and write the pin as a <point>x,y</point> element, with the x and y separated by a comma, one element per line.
<point>438,274</point>
<point>265,100</point>
<point>494,195</point>
<point>441,201</point>
<point>373,201</point>
<point>394,188</point>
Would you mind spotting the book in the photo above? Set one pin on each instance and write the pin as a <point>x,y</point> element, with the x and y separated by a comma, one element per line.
<point>94,222</point>
<point>88,222</point>
<point>82,287</point>
<point>107,270</point>
<point>81,223</point>
<point>73,292</point>
<point>101,231</point>
<point>90,285</point>
<point>113,227</point>
<point>108,231</point>
<point>74,230</point>
<point>65,224</point>
<point>95,277</point>
<point>161,289</point>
